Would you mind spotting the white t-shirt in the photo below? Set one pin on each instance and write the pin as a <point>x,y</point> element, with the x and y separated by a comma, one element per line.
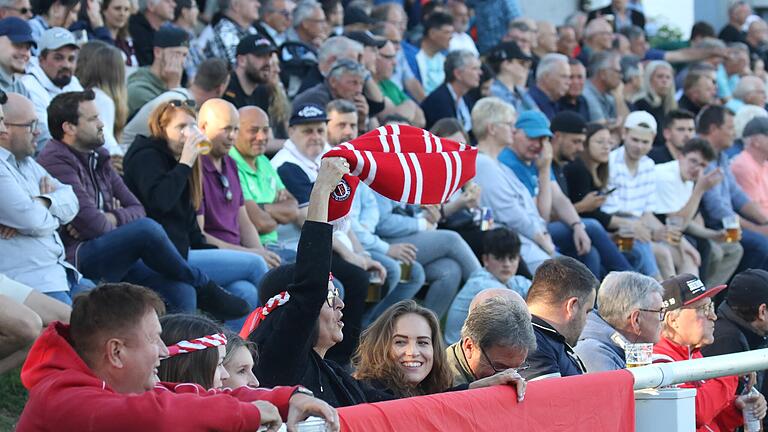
<point>671,191</point>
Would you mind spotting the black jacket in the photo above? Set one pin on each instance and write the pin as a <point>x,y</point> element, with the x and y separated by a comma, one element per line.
<point>143,36</point>
<point>161,183</point>
<point>440,104</point>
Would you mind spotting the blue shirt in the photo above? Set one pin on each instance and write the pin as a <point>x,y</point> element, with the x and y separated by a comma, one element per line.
<point>526,172</point>
<point>548,107</point>
<point>726,198</point>
<point>491,20</point>
<point>516,96</point>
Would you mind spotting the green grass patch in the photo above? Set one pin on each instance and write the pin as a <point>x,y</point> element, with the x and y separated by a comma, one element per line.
<point>13,396</point>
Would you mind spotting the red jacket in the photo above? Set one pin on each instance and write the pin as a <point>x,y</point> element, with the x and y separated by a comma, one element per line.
<point>65,395</point>
<point>715,408</point>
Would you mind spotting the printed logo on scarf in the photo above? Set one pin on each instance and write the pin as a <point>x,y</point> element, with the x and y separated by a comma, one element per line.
<point>342,191</point>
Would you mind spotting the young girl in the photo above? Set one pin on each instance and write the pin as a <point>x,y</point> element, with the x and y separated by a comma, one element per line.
<point>239,362</point>
<point>201,366</point>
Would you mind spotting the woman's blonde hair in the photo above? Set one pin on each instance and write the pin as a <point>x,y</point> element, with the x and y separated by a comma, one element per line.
<point>101,65</point>
<point>373,359</point>
<point>159,119</point>
<point>666,101</point>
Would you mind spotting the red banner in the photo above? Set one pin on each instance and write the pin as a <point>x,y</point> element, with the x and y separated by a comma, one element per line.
<point>589,403</point>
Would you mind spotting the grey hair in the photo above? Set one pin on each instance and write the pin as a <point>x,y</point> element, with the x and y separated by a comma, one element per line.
<point>736,5</point>
<point>341,106</point>
<point>7,3</point>
<point>304,9</point>
<point>338,47</point>
<point>622,292</point>
<point>144,4</point>
<point>500,321</point>
<point>747,85</point>
<point>455,60</point>
<point>345,66</point>
<point>710,43</point>
<point>548,63</point>
<point>633,32</point>
<point>572,19</point>
<point>487,111</point>
<point>599,61</point>
<point>739,46</point>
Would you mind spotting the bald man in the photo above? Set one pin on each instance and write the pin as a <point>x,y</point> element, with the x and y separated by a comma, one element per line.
<point>496,293</point>
<point>267,201</point>
<point>223,216</point>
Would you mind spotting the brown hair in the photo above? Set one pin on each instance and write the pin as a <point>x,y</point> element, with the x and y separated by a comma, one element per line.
<point>197,367</point>
<point>373,360</point>
<point>159,119</point>
<point>601,180</point>
<point>107,311</point>
<point>101,65</point>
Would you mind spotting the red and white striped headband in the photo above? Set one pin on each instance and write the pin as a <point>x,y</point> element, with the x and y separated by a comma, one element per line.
<point>199,344</point>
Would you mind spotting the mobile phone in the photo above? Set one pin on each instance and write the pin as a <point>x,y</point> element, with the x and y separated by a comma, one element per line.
<point>608,192</point>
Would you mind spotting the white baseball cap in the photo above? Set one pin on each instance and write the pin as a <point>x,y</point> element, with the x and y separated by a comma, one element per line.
<point>55,38</point>
<point>641,120</point>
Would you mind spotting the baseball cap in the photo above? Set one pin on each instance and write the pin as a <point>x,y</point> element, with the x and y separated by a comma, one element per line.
<point>534,124</point>
<point>366,38</point>
<point>756,126</point>
<point>356,15</point>
<point>170,36</point>
<point>641,120</point>
<point>17,30</point>
<point>508,51</point>
<point>55,38</point>
<point>685,289</point>
<point>748,288</point>
<point>255,44</point>
<point>309,113</point>
<point>569,122</point>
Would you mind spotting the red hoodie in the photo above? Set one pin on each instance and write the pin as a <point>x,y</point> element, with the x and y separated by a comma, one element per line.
<point>715,408</point>
<point>65,395</point>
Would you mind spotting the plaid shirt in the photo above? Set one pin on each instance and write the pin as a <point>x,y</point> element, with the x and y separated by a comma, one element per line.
<point>227,35</point>
<point>634,195</point>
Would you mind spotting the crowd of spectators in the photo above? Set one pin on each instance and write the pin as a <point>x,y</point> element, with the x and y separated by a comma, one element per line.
<point>168,156</point>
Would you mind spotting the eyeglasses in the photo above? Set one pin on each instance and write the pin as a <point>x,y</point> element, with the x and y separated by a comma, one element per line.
<point>30,127</point>
<point>661,312</point>
<point>225,183</point>
<point>177,103</point>
<point>707,309</point>
<point>331,297</point>
<point>522,367</point>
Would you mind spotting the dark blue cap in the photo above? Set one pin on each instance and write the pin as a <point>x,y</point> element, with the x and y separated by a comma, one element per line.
<point>309,113</point>
<point>17,30</point>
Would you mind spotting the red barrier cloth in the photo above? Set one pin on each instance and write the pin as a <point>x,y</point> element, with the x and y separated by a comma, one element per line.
<point>587,403</point>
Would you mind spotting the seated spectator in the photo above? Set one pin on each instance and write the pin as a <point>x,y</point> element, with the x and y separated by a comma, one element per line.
<point>597,37</point>
<point>737,16</point>
<point>101,68</point>
<point>185,17</point>
<point>268,202</point>
<point>116,15</point>
<point>688,326</point>
<point>402,355</point>
<point>511,67</point>
<point>397,101</point>
<point>33,206</point>
<point>546,40</point>
<point>679,127</point>
<point>110,319</point>
<point>16,41</point>
<point>730,70</point>
<point>741,320</point>
<point>603,90</point>
<point>427,63</point>
<point>334,17</point>
<point>333,49</point>
<point>309,25</point>
<point>657,96</point>
<point>275,20</point>
<point>52,13</point>
<point>91,22</point>
<point>522,31</point>
<point>553,76</point>
<point>560,299</point>
<point>19,8</point>
<point>450,99</point>
<point>52,74</point>
<point>460,38</point>
<point>699,89</point>
<point>715,124</point>
<point>110,239</point>
<point>740,120</point>
<point>236,23</point>
<point>574,98</point>
<point>143,25</point>
<point>170,50</point>
<point>566,41</point>
<point>623,15</point>
<point>749,167</point>
<point>569,131</point>
<point>756,38</point>
<point>239,362</point>
<point>25,313</point>
<point>629,310</point>
<point>500,260</point>
<point>749,91</point>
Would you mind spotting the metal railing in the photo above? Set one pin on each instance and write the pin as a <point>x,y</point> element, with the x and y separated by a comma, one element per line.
<point>664,374</point>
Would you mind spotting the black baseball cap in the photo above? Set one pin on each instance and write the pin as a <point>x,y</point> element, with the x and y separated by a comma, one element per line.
<point>366,38</point>
<point>748,288</point>
<point>255,44</point>
<point>308,113</point>
<point>170,36</point>
<point>356,15</point>
<point>568,122</point>
<point>17,30</point>
<point>685,289</point>
<point>508,51</point>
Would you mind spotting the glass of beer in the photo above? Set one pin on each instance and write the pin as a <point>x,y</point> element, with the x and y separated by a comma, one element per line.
<point>204,145</point>
<point>638,354</point>
<point>674,227</point>
<point>374,287</point>
<point>405,272</point>
<point>732,229</point>
<point>625,238</point>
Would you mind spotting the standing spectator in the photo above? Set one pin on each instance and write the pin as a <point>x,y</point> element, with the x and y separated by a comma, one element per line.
<point>750,167</point>
<point>699,89</point>
<point>143,25</point>
<point>53,13</point>
<point>511,67</point>
<point>604,90</point>
<point>170,51</point>
<point>657,96</point>
<point>275,20</point>
<point>491,19</point>
<point>623,15</point>
<point>427,63</point>
<point>53,74</point>
<point>450,100</point>
<point>309,25</point>
<point>574,99</point>
<point>116,15</point>
<point>15,43</point>
<point>253,66</point>
<point>235,24</point>
<point>679,127</point>
<point>460,38</point>
<point>553,76</point>
<point>34,206</point>
<point>560,299</point>
<point>16,8</point>
<point>629,310</point>
<point>737,16</point>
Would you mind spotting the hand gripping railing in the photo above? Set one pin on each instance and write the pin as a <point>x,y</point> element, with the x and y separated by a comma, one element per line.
<point>664,374</point>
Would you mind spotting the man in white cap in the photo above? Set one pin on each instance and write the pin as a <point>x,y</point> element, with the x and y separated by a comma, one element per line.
<point>53,73</point>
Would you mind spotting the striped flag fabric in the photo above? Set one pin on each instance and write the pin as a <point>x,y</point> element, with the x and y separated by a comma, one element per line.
<point>403,163</point>
<point>199,344</point>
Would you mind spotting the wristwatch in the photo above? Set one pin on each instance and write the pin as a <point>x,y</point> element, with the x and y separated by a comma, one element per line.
<point>303,390</point>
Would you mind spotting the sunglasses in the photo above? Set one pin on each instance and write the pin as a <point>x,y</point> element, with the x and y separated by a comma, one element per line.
<point>177,103</point>
<point>225,184</point>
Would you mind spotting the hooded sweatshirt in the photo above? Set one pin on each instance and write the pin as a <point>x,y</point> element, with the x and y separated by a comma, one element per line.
<point>715,408</point>
<point>66,395</point>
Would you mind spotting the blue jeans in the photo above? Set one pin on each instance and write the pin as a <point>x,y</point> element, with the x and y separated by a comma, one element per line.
<point>755,251</point>
<point>75,287</point>
<point>140,252</point>
<point>643,260</point>
<point>395,290</point>
<point>562,237</point>
<point>235,271</point>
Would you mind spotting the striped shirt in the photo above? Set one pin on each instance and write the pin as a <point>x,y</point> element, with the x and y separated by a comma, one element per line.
<point>634,195</point>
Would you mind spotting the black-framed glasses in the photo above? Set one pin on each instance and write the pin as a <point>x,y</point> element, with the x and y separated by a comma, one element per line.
<point>177,103</point>
<point>30,127</point>
<point>661,312</point>
<point>225,184</point>
<point>522,367</point>
<point>331,297</point>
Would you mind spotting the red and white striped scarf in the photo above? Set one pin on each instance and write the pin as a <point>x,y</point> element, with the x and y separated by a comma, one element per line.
<point>258,315</point>
<point>402,163</point>
<point>199,344</point>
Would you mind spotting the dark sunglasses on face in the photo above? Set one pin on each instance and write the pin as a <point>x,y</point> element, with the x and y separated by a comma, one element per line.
<point>177,103</point>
